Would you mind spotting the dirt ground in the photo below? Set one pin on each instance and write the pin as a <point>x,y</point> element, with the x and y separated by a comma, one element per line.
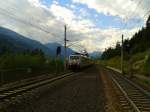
<point>111,92</point>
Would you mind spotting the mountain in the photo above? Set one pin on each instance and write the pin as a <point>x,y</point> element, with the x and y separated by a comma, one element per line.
<point>53,47</point>
<point>95,54</point>
<point>18,43</point>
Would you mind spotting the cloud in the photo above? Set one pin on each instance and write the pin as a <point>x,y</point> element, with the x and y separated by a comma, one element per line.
<point>62,13</point>
<point>30,18</point>
<point>46,23</point>
<point>99,39</point>
<point>122,8</point>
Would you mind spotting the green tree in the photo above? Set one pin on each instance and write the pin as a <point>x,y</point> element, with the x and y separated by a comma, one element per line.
<point>148,22</point>
<point>140,42</point>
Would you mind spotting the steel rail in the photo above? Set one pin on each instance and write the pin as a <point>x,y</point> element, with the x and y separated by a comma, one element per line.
<point>137,98</point>
<point>20,90</point>
<point>126,96</point>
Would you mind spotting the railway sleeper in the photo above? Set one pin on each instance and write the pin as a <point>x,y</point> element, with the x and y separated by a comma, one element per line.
<point>137,97</point>
<point>141,100</point>
<point>147,109</point>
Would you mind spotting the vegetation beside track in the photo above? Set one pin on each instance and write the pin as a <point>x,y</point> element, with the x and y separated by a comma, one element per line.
<point>136,53</point>
<point>139,67</point>
<point>18,66</point>
<point>136,62</point>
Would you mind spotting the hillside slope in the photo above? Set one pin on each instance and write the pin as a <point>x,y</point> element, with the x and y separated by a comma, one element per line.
<point>138,63</point>
<point>18,43</point>
<point>53,47</point>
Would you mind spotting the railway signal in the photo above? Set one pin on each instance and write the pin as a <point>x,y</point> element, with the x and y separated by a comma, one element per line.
<point>58,52</point>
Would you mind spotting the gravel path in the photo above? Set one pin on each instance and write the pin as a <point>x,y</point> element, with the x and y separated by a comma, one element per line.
<point>111,93</point>
<point>82,92</point>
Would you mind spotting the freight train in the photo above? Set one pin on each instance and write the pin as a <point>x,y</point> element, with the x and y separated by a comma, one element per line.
<point>77,62</point>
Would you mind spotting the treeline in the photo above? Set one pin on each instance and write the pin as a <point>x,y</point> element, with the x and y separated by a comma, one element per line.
<point>34,59</point>
<point>26,64</point>
<point>140,42</point>
<point>26,59</point>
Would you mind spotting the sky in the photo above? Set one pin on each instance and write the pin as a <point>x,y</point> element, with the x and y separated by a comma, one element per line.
<point>93,25</point>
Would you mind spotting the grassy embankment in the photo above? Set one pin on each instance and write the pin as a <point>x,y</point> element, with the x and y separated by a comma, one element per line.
<point>137,65</point>
<point>15,67</point>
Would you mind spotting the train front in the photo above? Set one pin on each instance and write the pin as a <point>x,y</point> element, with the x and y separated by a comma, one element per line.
<point>74,62</point>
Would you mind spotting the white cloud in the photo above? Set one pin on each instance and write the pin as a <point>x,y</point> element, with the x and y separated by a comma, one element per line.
<point>46,24</point>
<point>62,13</point>
<point>35,2</point>
<point>114,35</point>
<point>99,39</point>
<point>30,18</point>
<point>122,8</point>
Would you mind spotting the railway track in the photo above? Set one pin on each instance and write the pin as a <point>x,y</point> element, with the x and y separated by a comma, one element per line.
<point>17,90</point>
<point>132,97</point>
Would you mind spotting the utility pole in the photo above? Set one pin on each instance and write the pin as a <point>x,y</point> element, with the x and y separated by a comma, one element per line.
<point>65,46</point>
<point>122,54</point>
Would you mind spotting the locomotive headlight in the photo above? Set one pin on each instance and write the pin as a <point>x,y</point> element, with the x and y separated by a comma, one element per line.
<point>74,61</point>
<point>78,62</point>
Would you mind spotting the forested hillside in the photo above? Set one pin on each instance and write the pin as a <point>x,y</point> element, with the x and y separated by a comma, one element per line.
<point>18,43</point>
<point>136,53</point>
<point>21,57</point>
<point>140,42</point>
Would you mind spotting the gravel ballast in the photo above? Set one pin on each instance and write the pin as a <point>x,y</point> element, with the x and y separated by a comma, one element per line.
<point>81,92</point>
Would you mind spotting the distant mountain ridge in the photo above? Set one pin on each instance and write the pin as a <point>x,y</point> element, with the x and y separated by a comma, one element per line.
<point>53,47</point>
<point>18,43</point>
<point>96,54</point>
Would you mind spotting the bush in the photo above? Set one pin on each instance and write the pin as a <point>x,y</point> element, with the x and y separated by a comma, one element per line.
<point>19,66</point>
<point>147,67</point>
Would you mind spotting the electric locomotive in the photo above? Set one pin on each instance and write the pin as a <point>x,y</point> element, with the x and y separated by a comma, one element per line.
<point>77,62</point>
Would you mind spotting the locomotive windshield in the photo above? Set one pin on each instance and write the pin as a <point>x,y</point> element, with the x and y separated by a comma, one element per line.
<point>74,57</point>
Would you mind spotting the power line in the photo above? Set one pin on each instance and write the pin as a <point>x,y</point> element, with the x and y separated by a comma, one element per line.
<point>6,13</point>
<point>12,11</point>
<point>13,16</point>
<point>79,47</point>
<point>132,13</point>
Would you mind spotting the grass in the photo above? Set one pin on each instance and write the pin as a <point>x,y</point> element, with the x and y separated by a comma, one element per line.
<point>14,67</point>
<point>139,65</point>
<point>142,82</point>
<point>113,62</point>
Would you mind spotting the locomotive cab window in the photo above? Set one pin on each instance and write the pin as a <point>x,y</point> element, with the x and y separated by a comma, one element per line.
<point>74,57</point>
